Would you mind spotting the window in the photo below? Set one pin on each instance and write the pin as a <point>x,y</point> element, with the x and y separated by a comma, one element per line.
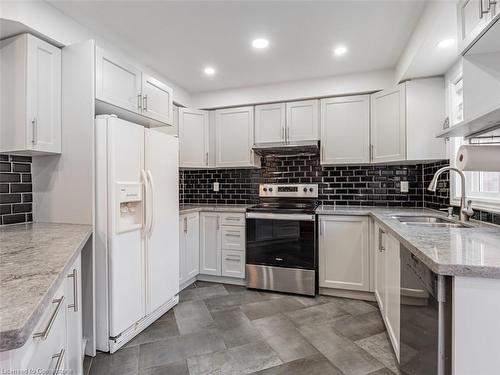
<point>483,188</point>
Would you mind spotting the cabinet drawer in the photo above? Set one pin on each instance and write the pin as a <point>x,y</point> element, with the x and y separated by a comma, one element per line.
<point>233,238</point>
<point>234,219</point>
<point>233,263</point>
<point>47,345</point>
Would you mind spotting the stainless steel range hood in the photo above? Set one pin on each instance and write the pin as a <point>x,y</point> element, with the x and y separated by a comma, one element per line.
<point>287,149</point>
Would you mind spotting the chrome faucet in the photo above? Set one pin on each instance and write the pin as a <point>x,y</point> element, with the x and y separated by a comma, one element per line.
<point>465,209</point>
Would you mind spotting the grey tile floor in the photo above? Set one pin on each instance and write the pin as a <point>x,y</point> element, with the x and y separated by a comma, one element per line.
<point>219,329</point>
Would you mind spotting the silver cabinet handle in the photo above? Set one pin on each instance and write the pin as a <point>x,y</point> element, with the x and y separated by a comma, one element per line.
<point>284,135</point>
<point>59,362</point>
<point>34,135</point>
<point>139,101</point>
<point>206,158</point>
<point>230,218</point>
<point>322,153</point>
<point>371,152</point>
<point>218,224</point>
<point>43,335</point>
<point>481,10</point>
<point>185,225</point>
<point>145,103</point>
<point>74,275</point>
<point>232,235</point>
<point>380,239</point>
<point>233,259</point>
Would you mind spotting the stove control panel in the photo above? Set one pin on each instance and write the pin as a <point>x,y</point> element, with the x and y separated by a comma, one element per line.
<point>288,190</point>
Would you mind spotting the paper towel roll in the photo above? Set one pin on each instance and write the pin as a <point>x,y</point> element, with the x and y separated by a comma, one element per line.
<point>479,158</point>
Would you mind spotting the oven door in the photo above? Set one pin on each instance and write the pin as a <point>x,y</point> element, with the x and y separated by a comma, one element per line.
<point>281,240</point>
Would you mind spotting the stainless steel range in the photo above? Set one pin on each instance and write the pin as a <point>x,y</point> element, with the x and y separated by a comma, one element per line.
<point>281,252</point>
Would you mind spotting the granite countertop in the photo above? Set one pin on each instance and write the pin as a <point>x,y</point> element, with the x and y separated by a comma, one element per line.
<point>188,208</point>
<point>473,252</point>
<point>34,260</point>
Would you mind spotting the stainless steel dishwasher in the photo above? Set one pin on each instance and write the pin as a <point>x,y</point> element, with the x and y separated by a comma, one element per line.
<point>426,318</point>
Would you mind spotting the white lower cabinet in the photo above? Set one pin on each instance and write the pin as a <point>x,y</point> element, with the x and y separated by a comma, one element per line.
<point>233,263</point>
<point>379,266</point>
<point>56,341</point>
<point>189,249</point>
<point>385,253</point>
<point>210,244</point>
<point>222,244</point>
<point>344,259</point>
<point>392,288</point>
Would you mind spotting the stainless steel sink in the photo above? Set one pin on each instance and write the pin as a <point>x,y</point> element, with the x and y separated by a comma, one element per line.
<point>430,221</point>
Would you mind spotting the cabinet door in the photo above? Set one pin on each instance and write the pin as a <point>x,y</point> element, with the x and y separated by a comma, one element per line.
<point>43,96</point>
<point>210,244</point>
<point>234,137</point>
<point>388,125</point>
<point>74,328</point>
<point>182,249</point>
<point>193,138</point>
<point>392,305</point>
<point>192,245</point>
<point>470,21</point>
<point>344,253</point>
<point>345,130</point>
<point>233,264</point>
<point>156,99</point>
<point>117,82</point>
<point>378,252</point>
<point>270,123</point>
<point>302,121</point>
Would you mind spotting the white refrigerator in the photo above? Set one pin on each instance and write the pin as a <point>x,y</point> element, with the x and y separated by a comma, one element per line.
<point>136,228</point>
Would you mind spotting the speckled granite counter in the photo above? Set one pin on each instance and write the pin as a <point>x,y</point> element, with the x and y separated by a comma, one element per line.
<point>34,260</point>
<point>185,209</point>
<point>473,252</point>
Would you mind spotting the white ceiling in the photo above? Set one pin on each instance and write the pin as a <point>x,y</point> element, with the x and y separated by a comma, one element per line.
<point>179,38</point>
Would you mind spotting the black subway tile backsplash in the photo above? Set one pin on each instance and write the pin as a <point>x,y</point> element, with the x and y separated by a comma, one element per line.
<point>353,185</point>
<point>15,189</point>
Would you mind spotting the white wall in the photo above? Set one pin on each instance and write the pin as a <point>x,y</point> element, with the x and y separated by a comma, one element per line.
<point>55,25</point>
<point>292,90</point>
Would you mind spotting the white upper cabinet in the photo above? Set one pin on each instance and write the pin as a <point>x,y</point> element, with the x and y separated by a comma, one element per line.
<point>302,121</point>
<point>388,126</point>
<point>270,123</point>
<point>425,114</point>
<point>156,100</point>
<point>345,130</point>
<point>344,259</point>
<point>234,130</point>
<point>30,96</point>
<point>125,86</point>
<point>405,121</point>
<point>193,138</point>
<point>473,17</point>
<point>117,82</point>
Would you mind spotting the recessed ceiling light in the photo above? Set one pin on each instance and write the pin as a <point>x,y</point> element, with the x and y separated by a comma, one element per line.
<point>445,43</point>
<point>260,43</point>
<point>209,71</point>
<point>340,50</point>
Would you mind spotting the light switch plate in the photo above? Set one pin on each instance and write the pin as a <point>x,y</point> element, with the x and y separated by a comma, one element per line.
<point>216,186</point>
<point>404,186</point>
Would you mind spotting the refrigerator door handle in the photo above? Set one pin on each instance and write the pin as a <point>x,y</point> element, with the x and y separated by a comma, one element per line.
<point>152,197</point>
<point>145,210</point>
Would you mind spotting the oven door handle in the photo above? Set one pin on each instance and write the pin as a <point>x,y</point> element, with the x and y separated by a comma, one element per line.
<point>271,216</point>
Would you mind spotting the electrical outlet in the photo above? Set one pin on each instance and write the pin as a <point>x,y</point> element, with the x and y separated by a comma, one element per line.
<point>404,186</point>
<point>216,186</point>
